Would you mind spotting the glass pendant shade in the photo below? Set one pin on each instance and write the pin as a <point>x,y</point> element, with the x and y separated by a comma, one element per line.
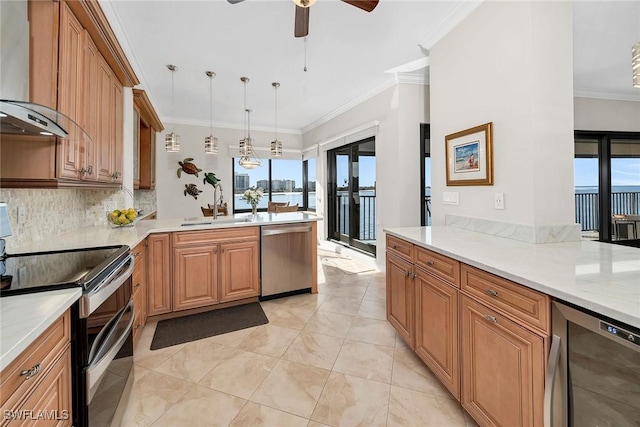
<point>171,140</point>
<point>276,148</point>
<point>249,163</point>
<point>172,143</point>
<point>211,145</point>
<point>248,157</point>
<point>635,64</point>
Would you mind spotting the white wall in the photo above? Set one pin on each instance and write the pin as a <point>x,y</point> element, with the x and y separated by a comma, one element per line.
<point>171,200</point>
<point>399,111</point>
<point>605,114</point>
<point>509,63</point>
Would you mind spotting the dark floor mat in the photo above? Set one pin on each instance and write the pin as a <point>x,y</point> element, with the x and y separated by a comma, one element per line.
<point>202,325</point>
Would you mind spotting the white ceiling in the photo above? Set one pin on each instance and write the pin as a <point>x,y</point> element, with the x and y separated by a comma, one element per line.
<point>348,52</point>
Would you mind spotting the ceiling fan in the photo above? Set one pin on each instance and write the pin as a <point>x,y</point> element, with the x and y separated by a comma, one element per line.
<point>302,12</point>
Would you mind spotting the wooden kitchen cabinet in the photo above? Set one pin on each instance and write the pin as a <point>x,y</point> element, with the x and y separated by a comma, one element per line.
<point>139,289</point>
<point>159,274</point>
<point>239,270</point>
<point>503,367</point>
<point>77,67</point>
<point>401,297</point>
<point>215,266</point>
<point>437,338</point>
<point>49,388</point>
<point>195,273</point>
<point>146,124</point>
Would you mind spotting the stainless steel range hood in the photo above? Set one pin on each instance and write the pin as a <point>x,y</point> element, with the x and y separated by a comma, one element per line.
<point>26,118</point>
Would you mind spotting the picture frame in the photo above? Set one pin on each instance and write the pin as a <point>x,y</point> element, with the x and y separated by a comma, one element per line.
<point>469,156</point>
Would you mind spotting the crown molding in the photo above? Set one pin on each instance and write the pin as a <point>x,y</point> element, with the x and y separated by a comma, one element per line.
<point>348,106</point>
<point>613,96</point>
<point>230,125</point>
<point>412,79</point>
<point>456,16</point>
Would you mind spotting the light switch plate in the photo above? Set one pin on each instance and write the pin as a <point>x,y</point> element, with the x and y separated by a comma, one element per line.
<point>450,198</point>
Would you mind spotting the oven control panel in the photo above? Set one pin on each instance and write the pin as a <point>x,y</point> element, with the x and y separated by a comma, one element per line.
<point>628,336</point>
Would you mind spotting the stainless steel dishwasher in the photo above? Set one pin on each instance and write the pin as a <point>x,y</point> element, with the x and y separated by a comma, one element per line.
<point>286,260</point>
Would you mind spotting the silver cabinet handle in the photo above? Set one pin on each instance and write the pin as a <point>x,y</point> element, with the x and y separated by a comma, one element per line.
<point>30,373</point>
<point>552,368</point>
<point>414,276</point>
<point>407,273</point>
<point>491,293</point>
<point>491,318</point>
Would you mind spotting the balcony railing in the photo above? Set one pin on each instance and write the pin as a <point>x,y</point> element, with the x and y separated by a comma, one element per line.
<point>367,218</point>
<point>623,203</point>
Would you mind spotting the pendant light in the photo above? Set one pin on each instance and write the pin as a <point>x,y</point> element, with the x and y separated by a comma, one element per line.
<point>211,142</point>
<point>635,64</point>
<point>276,145</point>
<point>248,157</point>
<point>171,140</point>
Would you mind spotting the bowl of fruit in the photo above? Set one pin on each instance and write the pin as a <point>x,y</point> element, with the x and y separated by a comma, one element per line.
<point>122,218</point>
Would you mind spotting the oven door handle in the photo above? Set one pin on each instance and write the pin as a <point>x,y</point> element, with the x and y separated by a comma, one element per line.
<point>95,297</point>
<point>549,382</point>
<point>97,368</point>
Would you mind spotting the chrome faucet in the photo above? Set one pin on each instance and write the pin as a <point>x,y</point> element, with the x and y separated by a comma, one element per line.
<point>216,200</point>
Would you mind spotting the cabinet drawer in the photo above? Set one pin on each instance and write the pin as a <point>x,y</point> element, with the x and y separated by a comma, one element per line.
<point>439,265</point>
<point>523,305</point>
<point>43,351</point>
<point>400,247</point>
<point>211,236</point>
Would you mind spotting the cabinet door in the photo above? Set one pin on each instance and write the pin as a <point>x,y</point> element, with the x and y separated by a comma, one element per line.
<point>105,93</point>
<point>117,142</point>
<point>52,394</point>
<point>437,329</point>
<point>159,274</point>
<point>70,76</point>
<point>239,265</point>
<point>400,297</point>
<point>502,368</point>
<point>195,273</point>
<point>90,113</point>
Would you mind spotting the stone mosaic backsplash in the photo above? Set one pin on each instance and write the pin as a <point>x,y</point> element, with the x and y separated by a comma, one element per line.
<point>51,212</point>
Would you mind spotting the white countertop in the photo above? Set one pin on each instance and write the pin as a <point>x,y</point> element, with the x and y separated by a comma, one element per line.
<point>601,277</point>
<point>23,318</point>
<point>105,235</point>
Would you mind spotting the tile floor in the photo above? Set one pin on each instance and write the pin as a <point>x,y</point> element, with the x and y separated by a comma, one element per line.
<point>329,359</point>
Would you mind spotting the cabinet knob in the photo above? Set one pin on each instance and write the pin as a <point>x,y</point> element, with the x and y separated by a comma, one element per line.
<point>30,373</point>
<point>407,273</point>
<point>394,246</point>
<point>136,254</point>
<point>491,293</point>
<point>137,286</point>
<point>413,276</point>
<point>430,263</point>
<point>491,319</point>
<point>115,175</point>
<point>137,326</point>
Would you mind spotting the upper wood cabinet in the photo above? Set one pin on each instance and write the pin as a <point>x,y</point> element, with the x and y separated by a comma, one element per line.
<point>146,124</point>
<point>78,68</point>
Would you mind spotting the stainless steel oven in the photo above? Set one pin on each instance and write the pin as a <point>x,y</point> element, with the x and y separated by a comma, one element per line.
<point>593,377</point>
<point>102,339</point>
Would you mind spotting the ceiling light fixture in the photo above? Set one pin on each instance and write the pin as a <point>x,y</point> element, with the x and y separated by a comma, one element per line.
<point>304,3</point>
<point>171,140</point>
<point>248,157</point>
<point>276,145</point>
<point>635,64</point>
<point>210,142</point>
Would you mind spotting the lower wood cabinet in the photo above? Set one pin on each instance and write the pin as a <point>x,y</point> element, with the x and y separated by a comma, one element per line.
<point>239,270</point>
<point>159,274</point>
<point>437,329</point>
<point>503,367</point>
<point>38,382</point>
<point>401,297</point>
<point>139,289</point>
<point>195,272</point>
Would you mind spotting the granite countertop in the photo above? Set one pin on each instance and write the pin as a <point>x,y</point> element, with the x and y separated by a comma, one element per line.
<point>600,277</point>
<point>105,235</point>
<point>25,317</point>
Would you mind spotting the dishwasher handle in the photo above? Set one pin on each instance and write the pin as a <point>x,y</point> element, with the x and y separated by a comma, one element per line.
<point>272,231</point>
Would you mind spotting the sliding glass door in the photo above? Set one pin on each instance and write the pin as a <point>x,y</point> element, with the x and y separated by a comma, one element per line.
<point>351,191</point>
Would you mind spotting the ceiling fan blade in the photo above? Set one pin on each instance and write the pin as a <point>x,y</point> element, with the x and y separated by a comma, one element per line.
<point>367,5</point>
<point>234,1</point>
<point>302,22</point>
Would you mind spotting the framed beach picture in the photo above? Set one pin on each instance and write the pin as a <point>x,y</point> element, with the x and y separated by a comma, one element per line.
<point>469,156</point>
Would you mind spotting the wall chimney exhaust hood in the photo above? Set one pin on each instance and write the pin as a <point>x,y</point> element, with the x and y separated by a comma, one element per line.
<point>27,118</point>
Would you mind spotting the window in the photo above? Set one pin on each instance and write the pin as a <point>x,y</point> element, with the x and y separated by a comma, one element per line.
<point>309,187</point>
<point>280,179</point>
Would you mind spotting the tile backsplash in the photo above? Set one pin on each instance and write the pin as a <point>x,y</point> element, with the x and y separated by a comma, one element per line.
<point>50,212</point>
